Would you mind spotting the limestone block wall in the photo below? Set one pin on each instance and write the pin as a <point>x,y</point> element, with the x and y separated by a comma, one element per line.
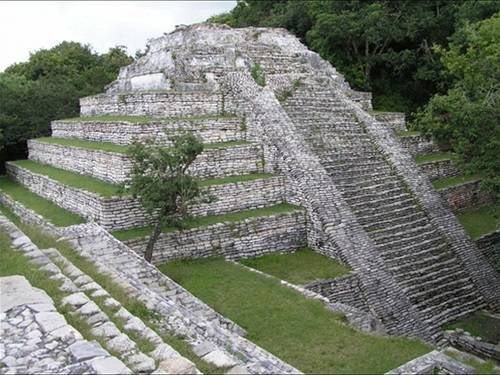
<point>165,104</point>
<point>465,342</point>
<point>345,289</point>
<point>418,145</point>
<point>439,169</point>
<point>466,195</point>
<point>489,244</point>
<point>364,98</point>
<point>115,213</point>
<point>114,167</point>
<point>393,120</point>
<point>233,240</point>
<point>210,130</point>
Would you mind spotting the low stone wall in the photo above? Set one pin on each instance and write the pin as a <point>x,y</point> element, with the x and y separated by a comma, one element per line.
<point>418,144</point>
<point>115,213</point>
<point>364,98</point>
<point>166,104</point>
<point>464,341</point>
<point>233,240</point>
<point>394,120</point>
<point>114,167</point>
<point>439,169</point>
<point>489,244</point>
<point>345,290</point>
<point>466,195</point>
<point>211,130</point>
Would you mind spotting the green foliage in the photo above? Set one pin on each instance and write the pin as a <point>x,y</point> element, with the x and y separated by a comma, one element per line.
<point>48,86</point>
<point>159,180</point>
<point>300,331</point>
<point>258,75</point>
<point>467,116</point>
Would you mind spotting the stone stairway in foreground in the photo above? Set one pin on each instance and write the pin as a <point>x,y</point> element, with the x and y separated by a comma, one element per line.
<point>415,252</point>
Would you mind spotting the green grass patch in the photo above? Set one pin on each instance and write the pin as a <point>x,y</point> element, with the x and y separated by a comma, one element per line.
<point>443,183</point>
<point>481,366</point>
<point>72,179</point>
<point>235,179</point>
<point>134,306</point>
<point>89,145</point>
<point>408,133</point>
<point>429,158</point>
<point>111,147</point>
<point>480,221</point>
<point>479,324</point>
<point>50,211</point>
<point>300,267</point>
<point>144,119</point>
<point>298,330</point>
<point>203,221</point>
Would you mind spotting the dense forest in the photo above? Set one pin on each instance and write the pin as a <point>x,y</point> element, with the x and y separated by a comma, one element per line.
<point>436,60</point>
<point>47,87</point>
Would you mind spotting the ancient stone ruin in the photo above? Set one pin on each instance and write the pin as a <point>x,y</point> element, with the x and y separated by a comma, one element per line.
<point>273,109</point>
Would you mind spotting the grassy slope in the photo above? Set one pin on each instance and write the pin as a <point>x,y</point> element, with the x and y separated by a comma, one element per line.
<point>451,181</point>
<point>50,211</point>
<point>111,147</point>
<point>481,220</point>
<point>428,158</point>
<point>300,267</point>
<point>300,331</point>
<point>72,179</point>
<point>128,234</point>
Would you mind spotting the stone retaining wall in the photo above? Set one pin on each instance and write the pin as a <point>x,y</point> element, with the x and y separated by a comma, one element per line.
<point>439,169</point>
<point>418,144</point>
<point>466,195</point>
<point>114,213</point>
<point>123,133</point>
<point>464,341</point>
<point>233,240</point>
<point>393,120</point>
<point>489,244</point>
<point>344,289</point>
<point>114,167</point>
<point>165,104</point>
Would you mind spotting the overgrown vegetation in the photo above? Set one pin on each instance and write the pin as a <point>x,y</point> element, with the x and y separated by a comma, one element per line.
<point>284,322</point>
<point>47,87</point>
<point>258,75</point>
<point>50,211</point>
<point>301,267</point>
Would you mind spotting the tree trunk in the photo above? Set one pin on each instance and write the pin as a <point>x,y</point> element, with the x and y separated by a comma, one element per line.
<point>148,255</point>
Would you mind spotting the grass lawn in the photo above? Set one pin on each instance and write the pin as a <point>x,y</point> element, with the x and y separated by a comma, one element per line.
<point>72,179</point>
<point>451,181</point>
<point>439,156</point>
<point>202,221</point>
<point>408,133</point>
<point>11,263</point>
<point>479,324</point>
<point>143,119</point>
<point>298,330</point>
<point>301,267</point>
<point>50,211</point>
<point>480,220</point>
<point>111,147</point>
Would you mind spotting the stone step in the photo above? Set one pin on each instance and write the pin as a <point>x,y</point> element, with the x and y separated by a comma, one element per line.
<point>234,159</point>
<point>353,198</point>
<point>122,212</point>
<point>123,130</point>
<point>441,278</point>
<point>456,311</point>
<point>384,212</point>
<point>160,103</point>
<point>423,266</point>
<point>375,203</point>
<point>375,222</point>
<point>416,249</point>
<point>407,274</point>
<point>445,295</point>
<point>364,180</point>
<point>387,233</point>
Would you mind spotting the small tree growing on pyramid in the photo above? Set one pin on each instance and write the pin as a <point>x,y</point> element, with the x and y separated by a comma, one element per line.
<point>159,180</point>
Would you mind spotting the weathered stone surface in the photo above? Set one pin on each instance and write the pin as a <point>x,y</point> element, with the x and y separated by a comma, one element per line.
<point>76,299</point>
<point>49,321</point>
<point>177,365</point>
<point>83,350</point>
<point>109,365</point>
<point>219,359</point>
<point>16,291</point>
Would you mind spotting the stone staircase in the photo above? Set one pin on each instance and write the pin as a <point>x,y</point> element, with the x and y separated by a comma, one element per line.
<point>415,252</point>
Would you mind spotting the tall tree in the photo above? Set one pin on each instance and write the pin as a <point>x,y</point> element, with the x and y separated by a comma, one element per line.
<point>160,181</point>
